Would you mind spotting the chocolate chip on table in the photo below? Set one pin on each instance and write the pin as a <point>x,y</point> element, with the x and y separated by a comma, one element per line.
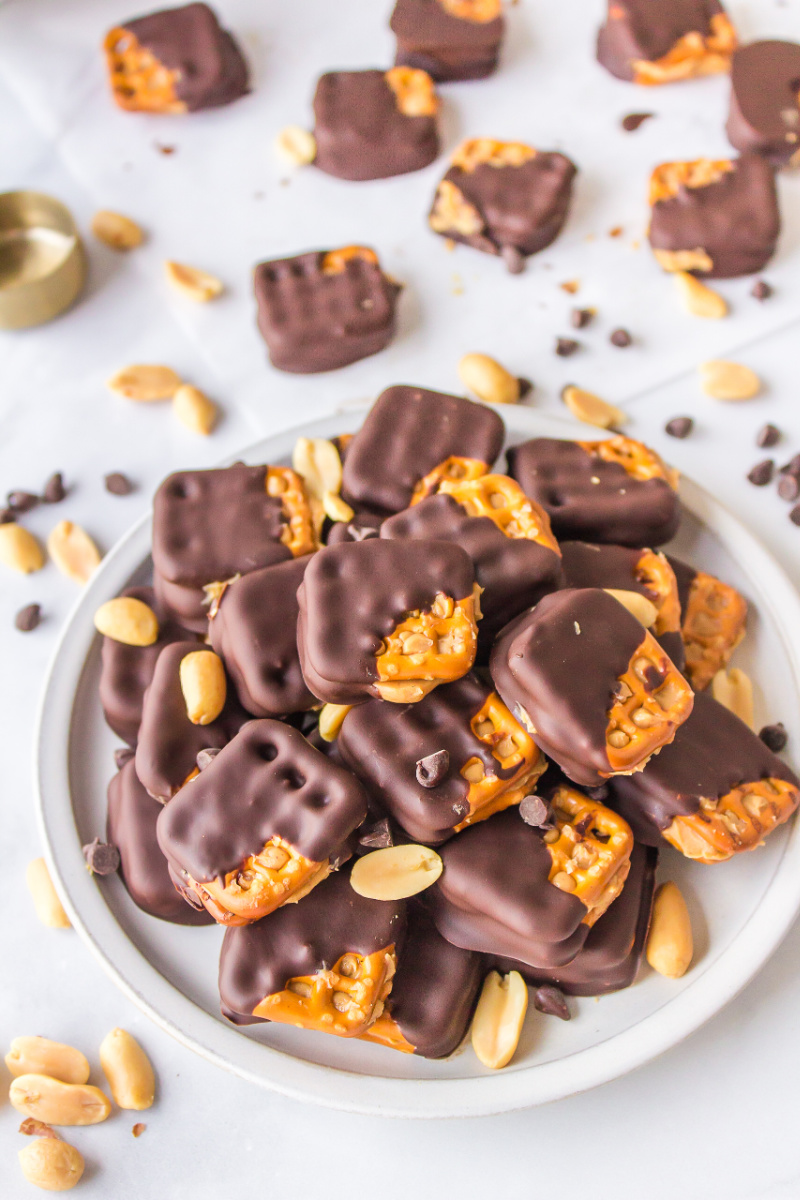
<point>536,812</point>
<point>581,317</point>
<point>514,260</point>
<point>761,290</point>
<point>792,467</point>
<point>118,484</point>
<point>22,502</point>
<point>794,515</point>
<point>6,516</point>
<point>762,472</point>
<point>768,435</point>
<point>632,121</point>
<point>377,836</point>
<point>206,757</point>
<point>525,386</point>
<point>432,769</point>
<point>566,346</point>
<point>551,1000</point>
<point>122,755</point>
<point>789,487</point>
<point>54,490</point>
<point>774,737</point>
<point>679,427</point>
<point>101,857</point>
<point>621,338</point>
<point>28,618</point>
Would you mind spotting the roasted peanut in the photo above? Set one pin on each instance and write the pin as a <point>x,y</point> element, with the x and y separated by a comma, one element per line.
<point>734,689</point>
<point>145,383</point>
<point>128,620</point>
<point>40,1056</point>
<point>669,942</point>
<point>194,409</point>
<point>499,1017</point>
<point>396,872</point>
<point>58,1103</point>
<point>728,381</point>
<point>19,549</point>
<point>591,409</point>
<point>192,282</point>
<point>117,231</point>
<point>73,551</point>
<point>331,719</point>
<point>203,685</point>
<point>296,146</point>
<point>336,508</point>
<point>637,605</point>
<point>128,1070</point>
<point>490,381</point>
<point>698,299</point>
<point>46,903</point>
<point>50,1164</point>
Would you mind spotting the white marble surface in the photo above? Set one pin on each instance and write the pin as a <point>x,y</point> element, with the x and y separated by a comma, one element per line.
<point>712,1118</point>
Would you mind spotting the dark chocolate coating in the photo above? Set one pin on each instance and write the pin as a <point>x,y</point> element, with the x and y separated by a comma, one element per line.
<point>713,752</point>
<point>735,220</point>
<point>494,895</point>
<point>514,572</point>
<point>447,47</point>
<point>132,816</point>
<point>355,594</point>
<point>211,68</point>
<point>364,520</point>
<point>764,115</point>
<point>560,663</point>
<point>258,960</point>
<point>267,782</point>
<point>362,134</point>
<point>523,207</point>
<point>383,742</point>
<point>255,632</point>
<point>612,954</point>
<point>648,29</point>
<point>409,431</point>
<point>313,321</point>
<point>168,741</point>
<point>685,575</point>
<point>126,671</point>
<point>435,990</point>
<point>618,508</point>
<point>187,605</point>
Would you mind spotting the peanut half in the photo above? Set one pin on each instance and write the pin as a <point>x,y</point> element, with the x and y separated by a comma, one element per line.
<point>319,465</point>
<point>296,146</point>
<point>499,1017</point>
<point>728,380</point>
<point>194,409</point>
<point>734,689</point>
<point>40,1056</point>
<point>698,299</point>
<point>58,1103</point>
<point>488,379</point>
<point>669,943</point>
<point>331,719</point>
<point>128,620</point>
<point>396,872</point>
<point>128,1070</point>
<point>145,383</point>
<point>52,1165</point>
<point>591,409</point>
<point>192,282</point>
<point>637,605</point>
<point>203,685</point>
<point>19,549</point>
<point>73,551</point>
<point>117,231</point>
<point>46,903</point>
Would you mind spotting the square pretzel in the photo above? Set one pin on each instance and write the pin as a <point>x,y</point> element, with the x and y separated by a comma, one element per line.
<point>590,848</point>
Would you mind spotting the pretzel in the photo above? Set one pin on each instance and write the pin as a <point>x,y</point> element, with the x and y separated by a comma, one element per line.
<point>386,1032</point>
<point>139,82</point>
<point>344,1000</point>
<point>414,91</point>
<point>494,725</point>
<point>713,626</point>
<point>590,849</point>
<point>668,178</point>
<point>637,459</point>
<point>739,820</point>
<point>452,468</point>
<point>479,11</point>
<point>453,213</point>
<point>503,501</point>
<point>654,572</point>
<point>428,648</point>
<point>478,152</point>
<point>335,261</point>
<point>298,530</point>
<point>651,700</point>
<point>691,56</point>
<point>278,875</point>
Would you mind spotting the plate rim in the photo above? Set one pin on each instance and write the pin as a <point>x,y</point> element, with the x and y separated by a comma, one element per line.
<point>672,1022</point>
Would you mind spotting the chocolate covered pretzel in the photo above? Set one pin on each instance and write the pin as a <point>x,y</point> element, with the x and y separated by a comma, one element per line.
<point>450,39</point>
<point>174,61</point>
<point>325,964</point>
<point>713,617</point>
<point>716,791</point>
<point>663,41</point>
<point>617,490</point>
<point>764,115</point>
<point>438,766</point>
<point>594,688</point>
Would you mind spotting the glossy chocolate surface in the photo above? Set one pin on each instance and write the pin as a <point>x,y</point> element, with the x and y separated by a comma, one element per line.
<point>362,134</point>
<point>593,500</point>
<point>258,960</point>
<point>447,47</point>
<point>764,115</point>
<point>409,431</point>
<point>648,29</point>
<point>255,632</point>
<point>313,320</point>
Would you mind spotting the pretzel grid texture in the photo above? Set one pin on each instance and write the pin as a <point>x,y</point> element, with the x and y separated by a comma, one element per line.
<point>452,469</point>
<point>692,55</point>
<point>488,794</point>
<point>298,531</point>
<point>277,875</point>
<point>638,460</point>
<point>139,82</point>
<point>344,1000</point>
<point>713,626</point>
<point>428,648</point>
<point>737,821</point>
<point>652,700</point>
<point>654,572</point>
<point>503,501</point>
<point>590,849</point>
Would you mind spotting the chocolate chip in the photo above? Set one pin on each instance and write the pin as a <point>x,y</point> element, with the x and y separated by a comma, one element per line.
<point>633,120</point>
<point>551,1000</point>
<point>432,769</point>
<point>123,755</point>
<point>101,857</point>
<point>774,737</point>
<point>28,618</point>
<point>621,338</point>
<point>525,386</point>
<point>761,290</point>
<point>21,502</point>
<point>792,467</point>
<point>6,516</point>
<point>762,472</point>
<point>566,346</point>
<point>536,812</point>
<point>679,427</point>
<point>789,487</point>
<point>377,836</point>
<point>581,317</point>
<point>118,484</point>
<point>794,515</point>
<point>768,435</point>
<point>359,533</point>
<point>54,490</point>
<point>514,260</point>
<point>206,757</point>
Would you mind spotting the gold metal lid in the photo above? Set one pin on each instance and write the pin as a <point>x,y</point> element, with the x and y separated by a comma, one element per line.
<point>42,259</point>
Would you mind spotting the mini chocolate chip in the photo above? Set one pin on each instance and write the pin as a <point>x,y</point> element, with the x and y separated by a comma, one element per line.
<point>101,857</point>
<point>794,515</point>
<point>54,490</point>
<point>118,484</point>
<point>28,618</point>
<point>566,346</point>
<point>536,812</point>
<point>525,386</point>
<point>377,836</point>
<point>679,427</point>
<point>792,467</point>
<point>768,435</point>
<point>432,769</point>
<point>789,487</point>
<point>774,737</point>
<point>762,472</point>
<point>581,317</point>
<point>761,290</point>
<point>633,120</point>
<point>22,502</point>
<point>551,1000</point>
<point>514,259</point>
<point>599,793</point>
<point>621,338</point>
<point>123,755</point>
<point>206,757</point>
<point>359,533</point>
<point>6,516</point>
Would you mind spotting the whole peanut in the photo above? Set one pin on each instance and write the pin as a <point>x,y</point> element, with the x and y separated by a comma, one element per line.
<point>128,1070</point>
<point>51,1164</point>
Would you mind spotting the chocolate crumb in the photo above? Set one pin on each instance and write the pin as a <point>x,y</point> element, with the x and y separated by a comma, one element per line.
<point>774,737</point>
<point>54,490</point>
<point>206,757</point>
<point>552,1001</point>
<point>621,338</point>
<point>377,836</point>
<point>122,755</point>
<point>101,857</point>
<point>566,346</point>
<point>536,812</point>
<point>792,467</point>
<point>761,290</point>
<point>794,515</point>
<point>28,618</point>
<point>118,484</point>
<point>21,502</point>
<point>632,121</point>
<point>138,1129</point>
<point>789,487</point>
<point>525,386</point>
<point>768,435</point>
<point>679,427</point>
<point>6,516</point>
<point>581,317</point>
<point>514,260</point>
<point>432,769</point>
<point>762,472</point>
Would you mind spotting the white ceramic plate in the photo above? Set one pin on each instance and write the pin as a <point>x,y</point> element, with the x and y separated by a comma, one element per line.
<point>741,909</point>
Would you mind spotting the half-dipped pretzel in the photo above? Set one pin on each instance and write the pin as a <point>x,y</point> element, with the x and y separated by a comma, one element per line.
<point>713,625</point>
<point>344,1000</point>
<point>453,469</point>
<point>503,501</point>
<point>651,700</point>
<point>590,847</point>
